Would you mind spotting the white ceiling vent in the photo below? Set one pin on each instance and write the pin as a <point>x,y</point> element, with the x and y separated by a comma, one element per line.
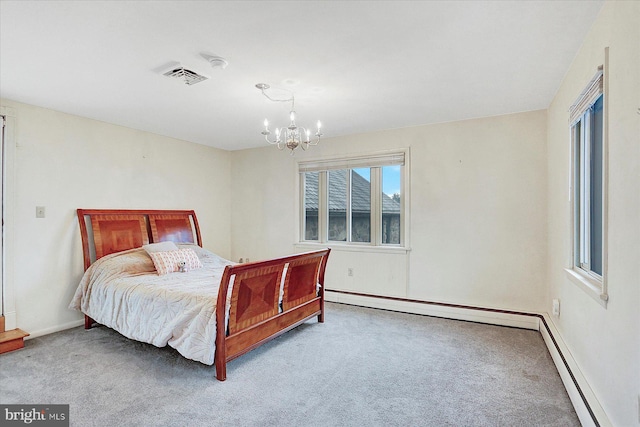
<point>187,76</point>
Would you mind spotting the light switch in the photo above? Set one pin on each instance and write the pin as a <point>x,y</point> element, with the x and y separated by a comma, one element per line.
<point>39,211</point>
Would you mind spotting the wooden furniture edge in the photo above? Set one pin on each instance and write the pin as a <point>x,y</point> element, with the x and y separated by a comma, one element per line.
<point>85,238</point>
<point>12,340</point>
<point>230,347</point>
<point>260,333</point>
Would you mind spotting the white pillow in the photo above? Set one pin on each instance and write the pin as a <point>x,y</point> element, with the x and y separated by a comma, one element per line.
<point>160,247</point>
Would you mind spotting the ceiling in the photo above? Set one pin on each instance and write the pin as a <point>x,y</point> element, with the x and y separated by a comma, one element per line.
<point>358,66</point>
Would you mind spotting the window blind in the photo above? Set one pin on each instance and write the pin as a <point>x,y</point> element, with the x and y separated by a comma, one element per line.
<point>374,160</point>
<point>588,96</point>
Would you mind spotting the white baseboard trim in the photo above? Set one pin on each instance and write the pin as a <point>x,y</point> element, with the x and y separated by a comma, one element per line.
<point>492,317</point>
<point>58,328</point>
<point>584,401</point>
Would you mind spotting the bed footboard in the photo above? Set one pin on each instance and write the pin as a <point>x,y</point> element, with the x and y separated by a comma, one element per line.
<point>267,299</point>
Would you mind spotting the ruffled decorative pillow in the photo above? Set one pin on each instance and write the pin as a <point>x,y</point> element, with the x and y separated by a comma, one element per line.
<point>168,261</point>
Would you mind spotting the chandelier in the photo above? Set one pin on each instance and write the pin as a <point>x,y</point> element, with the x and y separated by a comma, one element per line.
<point>292,136</point>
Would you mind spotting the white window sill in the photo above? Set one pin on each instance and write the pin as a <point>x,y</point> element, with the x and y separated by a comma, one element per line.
<point>590,285</point>
<point>353,247</point>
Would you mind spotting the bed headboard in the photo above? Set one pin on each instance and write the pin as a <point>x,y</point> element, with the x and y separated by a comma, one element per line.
<point>105,231</point>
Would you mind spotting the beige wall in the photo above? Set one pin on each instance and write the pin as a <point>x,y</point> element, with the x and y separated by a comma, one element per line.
<point>477,226</point>
<point>605,342</point>
<point>65,162</point>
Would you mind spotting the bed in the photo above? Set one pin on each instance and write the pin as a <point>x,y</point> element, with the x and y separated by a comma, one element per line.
<point>212,313</point>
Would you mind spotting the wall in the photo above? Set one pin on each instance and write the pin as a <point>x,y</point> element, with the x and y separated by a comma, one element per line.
<point>477,203</point>
<point>605,342</point>
<point>64,162</point>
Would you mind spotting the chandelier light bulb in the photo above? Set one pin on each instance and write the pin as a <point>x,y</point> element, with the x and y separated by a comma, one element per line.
<point>292,116</point>
<point>319,125</point>
<point>266,124</point>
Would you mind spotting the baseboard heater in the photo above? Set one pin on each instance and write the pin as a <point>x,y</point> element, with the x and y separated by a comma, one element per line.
<point>584,401</point>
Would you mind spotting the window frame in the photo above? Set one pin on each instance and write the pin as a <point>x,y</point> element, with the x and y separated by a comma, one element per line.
<point>375,162</point>
<point>579,270</point>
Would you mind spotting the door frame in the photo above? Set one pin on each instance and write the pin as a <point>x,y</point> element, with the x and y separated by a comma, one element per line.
<point>8,197</point>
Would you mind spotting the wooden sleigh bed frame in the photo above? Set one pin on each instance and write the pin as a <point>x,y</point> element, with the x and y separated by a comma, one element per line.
<point>257,313</point>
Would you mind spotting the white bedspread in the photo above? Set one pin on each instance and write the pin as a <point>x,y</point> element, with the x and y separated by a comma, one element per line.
<point>124,292</point>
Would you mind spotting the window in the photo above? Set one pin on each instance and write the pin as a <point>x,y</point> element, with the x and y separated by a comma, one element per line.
<point>588,198</point>
<point>338,203</point>
<point>357,201</point>
<point>311,206</point>
<point>587,124</point>
<point>391,203</point>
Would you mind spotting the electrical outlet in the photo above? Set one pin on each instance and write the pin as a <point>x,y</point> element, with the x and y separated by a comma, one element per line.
<point>350,272</point>
<point>555,309</point>
<point>39,211</point>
